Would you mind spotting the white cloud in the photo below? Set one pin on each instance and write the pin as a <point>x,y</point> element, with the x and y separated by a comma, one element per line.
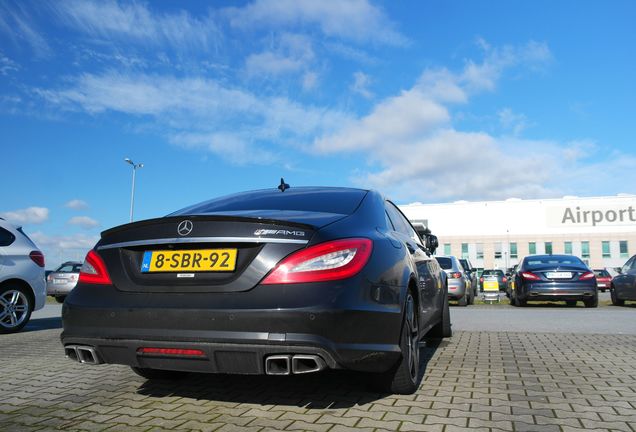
<point>414,151</point>
<point>30,215</point>
<point>511,121</point>
<point>76,204</point>
<point>135,22</point>
<point>7,65</point>
<point>355,20</point>
<point>83,222</point>
<point>200,113</point>
<point>18,25</point>
<point>290,53</point>
<point>361,83</point>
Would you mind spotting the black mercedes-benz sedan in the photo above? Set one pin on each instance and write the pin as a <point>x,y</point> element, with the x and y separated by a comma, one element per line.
<point>263,282</point>
<point>554,277</point>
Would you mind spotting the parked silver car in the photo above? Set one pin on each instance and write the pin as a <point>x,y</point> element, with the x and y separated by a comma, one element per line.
<point>459,286</point>
<point>22,285</point>
<point>62,280</point>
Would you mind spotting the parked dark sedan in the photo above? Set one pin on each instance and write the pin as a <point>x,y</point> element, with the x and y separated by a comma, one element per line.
<point>624,284</point>
<point>262,282</point>
<point>554,277</point>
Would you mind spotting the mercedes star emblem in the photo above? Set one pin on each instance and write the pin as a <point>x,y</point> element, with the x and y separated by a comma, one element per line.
<point>184,228</point>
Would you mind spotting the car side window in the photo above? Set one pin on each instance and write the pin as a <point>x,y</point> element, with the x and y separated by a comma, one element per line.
<point>6,237</point>
<point>400,223</point>
<point>628,265</point>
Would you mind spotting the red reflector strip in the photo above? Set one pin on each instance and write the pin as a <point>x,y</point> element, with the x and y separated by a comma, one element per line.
<point>172,352</point>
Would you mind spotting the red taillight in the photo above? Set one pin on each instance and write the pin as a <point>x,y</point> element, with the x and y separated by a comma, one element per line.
<point>530,276</point>
<point>37,257</point>
<point>586,276</point>
<point>93,270</point>
<point>178,352</point>
<point>504,279</point>
<point>455,275</point>
<point>481,279</point>
<point>338,259</point>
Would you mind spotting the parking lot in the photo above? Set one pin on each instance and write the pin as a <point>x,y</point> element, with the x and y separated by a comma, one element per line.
<point>480,380</point>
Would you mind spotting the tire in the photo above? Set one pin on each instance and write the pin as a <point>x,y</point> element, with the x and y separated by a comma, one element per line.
<point>159,374</point>
<point>570,303</point>
<point>464,300</point>
<point>60,298</point>
<point>15,308</point>
<point>403,378</point>
<point>443,328</point>
<point>615,300</point>
<point>471,298</point>
<point>591,303</point>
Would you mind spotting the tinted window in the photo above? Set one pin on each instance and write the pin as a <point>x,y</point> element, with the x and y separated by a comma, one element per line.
<point>69,268</point>
<point>341,201</point>
<point>400,223</point>
<point>445,263</point>
<point>602,273</point>
<point>6,237</point>
<point>540,261</point>
<point>493,273</point>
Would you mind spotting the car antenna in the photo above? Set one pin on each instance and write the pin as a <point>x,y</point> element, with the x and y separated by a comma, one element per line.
<point>283,186</point>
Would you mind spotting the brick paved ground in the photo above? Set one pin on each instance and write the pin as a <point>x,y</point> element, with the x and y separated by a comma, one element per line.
<point>476,381</point>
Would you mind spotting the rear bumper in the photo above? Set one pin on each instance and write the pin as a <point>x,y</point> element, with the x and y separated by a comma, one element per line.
<point>236,331</point>
<point>560,291</point>
<point>456,289</point>
<point>59,289</point>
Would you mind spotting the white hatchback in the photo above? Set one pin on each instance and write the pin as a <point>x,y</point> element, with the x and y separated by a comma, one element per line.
<point>22,284</point>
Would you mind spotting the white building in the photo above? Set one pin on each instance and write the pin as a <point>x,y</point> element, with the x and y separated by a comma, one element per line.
<point>496,234</point>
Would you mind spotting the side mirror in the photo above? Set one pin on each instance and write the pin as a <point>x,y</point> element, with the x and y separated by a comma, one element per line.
<point>431,242</point>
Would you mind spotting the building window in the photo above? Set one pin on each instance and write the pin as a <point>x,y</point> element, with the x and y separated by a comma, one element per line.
<point>585,249</point>
<point>447,250</point>
<point>548,248</point>
<point>622,248</point>
<point>464,250</point>
<point>532,248</point>
<point>480,250</point>
<point>567,248</point>
<point>497,250</point>
<point>513,250</point>
<point>606,249</point>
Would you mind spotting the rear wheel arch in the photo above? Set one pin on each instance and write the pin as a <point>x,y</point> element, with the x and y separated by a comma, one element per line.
<point>28,290</point>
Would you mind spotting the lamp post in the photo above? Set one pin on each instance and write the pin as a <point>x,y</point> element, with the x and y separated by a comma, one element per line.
<point>132,194</point>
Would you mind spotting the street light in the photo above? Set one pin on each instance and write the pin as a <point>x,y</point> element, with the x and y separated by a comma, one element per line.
<point>132,194</point>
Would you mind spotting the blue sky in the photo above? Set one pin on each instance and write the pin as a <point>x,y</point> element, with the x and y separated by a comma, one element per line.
<point>429,101</point>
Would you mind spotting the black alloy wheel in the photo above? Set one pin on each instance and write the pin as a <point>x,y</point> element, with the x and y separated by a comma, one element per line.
<point>404,376</point>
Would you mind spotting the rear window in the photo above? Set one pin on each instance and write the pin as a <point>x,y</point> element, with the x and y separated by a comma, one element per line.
<point>6,237</point>
<point>493,273</point>
<point>553,260</point>
<point>445,263</point>
<point>602,273</point>
<point>340,201</point>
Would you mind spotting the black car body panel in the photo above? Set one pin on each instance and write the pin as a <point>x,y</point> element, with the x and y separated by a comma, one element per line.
<point>353,323</point>
<point>624,284</point>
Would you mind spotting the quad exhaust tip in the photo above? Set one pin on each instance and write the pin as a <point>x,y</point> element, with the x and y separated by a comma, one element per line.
<point>293,364</point>
<point>82,354</point>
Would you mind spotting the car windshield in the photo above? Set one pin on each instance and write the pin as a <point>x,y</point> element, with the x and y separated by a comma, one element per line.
<point>445,263</point>
<point>602,273</point>
<point>335,200</point>
<point>543,261</point>
<point>493,273</point>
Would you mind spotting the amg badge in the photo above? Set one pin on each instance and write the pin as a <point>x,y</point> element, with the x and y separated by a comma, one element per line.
<point>260,232</point>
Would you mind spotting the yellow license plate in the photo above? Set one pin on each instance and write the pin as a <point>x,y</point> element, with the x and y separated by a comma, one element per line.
<point>491,286</point>
<point>197,260</point>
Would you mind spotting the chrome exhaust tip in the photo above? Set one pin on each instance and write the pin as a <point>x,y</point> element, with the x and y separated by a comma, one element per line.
<point>307,363</point>
<point>278,365</point>
<point>82,354</point>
